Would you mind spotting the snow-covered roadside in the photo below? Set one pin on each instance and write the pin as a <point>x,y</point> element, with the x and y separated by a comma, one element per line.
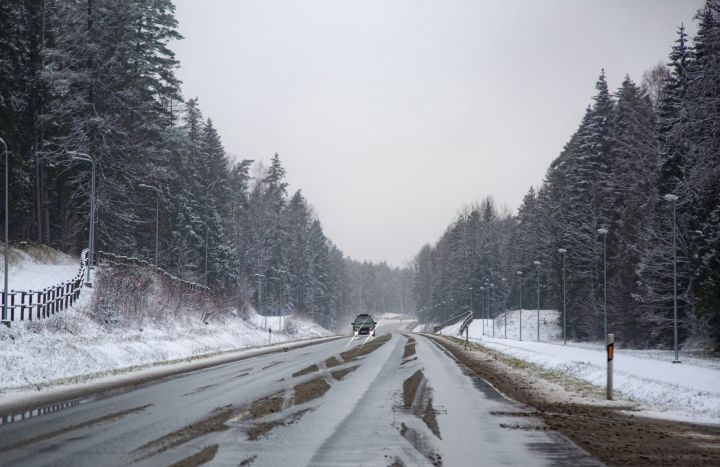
<point>73,346</point>
<point>73,388</point>
<point>688,391</point>
<point>35,268</point>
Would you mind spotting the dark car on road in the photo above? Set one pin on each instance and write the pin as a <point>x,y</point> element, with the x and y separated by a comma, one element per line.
<point>364,324</point>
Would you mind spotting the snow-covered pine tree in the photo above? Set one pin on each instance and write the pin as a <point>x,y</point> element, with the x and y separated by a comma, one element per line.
<point>632,197</point>
<point>700,191</point>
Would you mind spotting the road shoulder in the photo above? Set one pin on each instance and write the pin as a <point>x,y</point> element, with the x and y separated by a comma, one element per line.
<point>575,409</point>
<point>16,402</point>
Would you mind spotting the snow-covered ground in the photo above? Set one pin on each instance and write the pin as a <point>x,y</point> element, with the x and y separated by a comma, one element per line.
<point>686,391</point>
<point>36,268</point>
<point>549,327</point>
<point>70,345</point>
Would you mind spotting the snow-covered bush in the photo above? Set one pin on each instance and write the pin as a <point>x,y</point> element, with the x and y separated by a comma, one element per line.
<point>130,296</point>
<point>290,327</point>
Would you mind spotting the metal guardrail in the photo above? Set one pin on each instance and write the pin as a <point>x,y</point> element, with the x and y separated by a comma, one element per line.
<point>466,322</point>
<point>120,260</point>
<point>48,301</point>
<point>452,320</point>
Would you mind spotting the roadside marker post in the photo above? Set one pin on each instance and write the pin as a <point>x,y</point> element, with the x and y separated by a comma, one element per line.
<point>467,337</point>
<point>269,336</point>
<point>610,355</point>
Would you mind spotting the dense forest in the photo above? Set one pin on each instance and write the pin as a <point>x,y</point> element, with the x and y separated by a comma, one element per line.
<point>97,77</point>
<point>633,147</point>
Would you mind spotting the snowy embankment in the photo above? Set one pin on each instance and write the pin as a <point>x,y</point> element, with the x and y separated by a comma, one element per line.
<point>38,267</point>
<point>686,391</point>
<point>72,346</point>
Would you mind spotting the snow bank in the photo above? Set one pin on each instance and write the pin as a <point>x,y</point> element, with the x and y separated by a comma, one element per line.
<point>37,267</point>
<point>686,391</point>
<point>71,344</point>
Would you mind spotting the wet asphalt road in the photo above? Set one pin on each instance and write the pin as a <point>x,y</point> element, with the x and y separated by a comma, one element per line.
<point>354,412</point>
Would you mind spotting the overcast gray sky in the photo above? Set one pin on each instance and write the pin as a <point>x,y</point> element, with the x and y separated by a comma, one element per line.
<point>390,115</point>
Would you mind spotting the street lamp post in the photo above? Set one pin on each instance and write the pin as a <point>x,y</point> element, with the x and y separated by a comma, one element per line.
<point>562,252</point>
<point>604,232</point>
<point>482,306</point>
<point>267,285</point>
<point>283,271</point>
<point>6,232</point>
<point>206,252</point>
<point>80,156</point>
<point>492,315</point>
<point>260,297</point>
<point>537,267</point>
<point>505,304</point>
<point>157,218</point>
<point>673,199</point>
<point>519,273</point>
<point>486,299</point>
<point>471,303</point>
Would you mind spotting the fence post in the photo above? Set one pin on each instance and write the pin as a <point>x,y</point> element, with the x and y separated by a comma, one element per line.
<point>22,305</point>
<point>12,305</point>
<point>610,352</point>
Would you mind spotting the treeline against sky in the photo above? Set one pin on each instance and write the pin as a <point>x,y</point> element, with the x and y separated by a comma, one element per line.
<point>98,77</point>
<point>633,146</point>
